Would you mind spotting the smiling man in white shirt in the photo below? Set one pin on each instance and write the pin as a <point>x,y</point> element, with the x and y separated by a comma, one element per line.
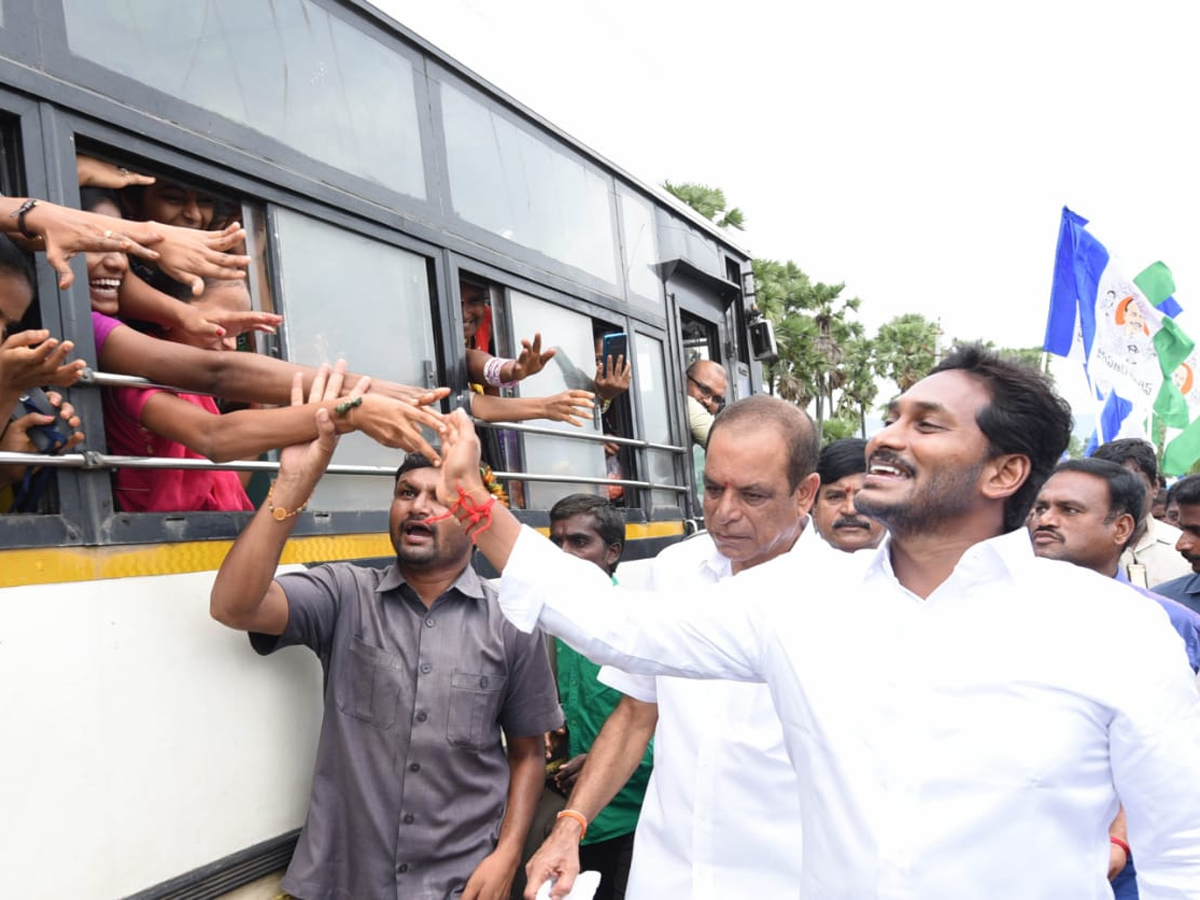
<point>721,816</point>
<point>954,735</point>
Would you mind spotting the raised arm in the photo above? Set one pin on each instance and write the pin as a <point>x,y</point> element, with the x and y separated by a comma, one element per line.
<point>245,594</point>
<point>613,759</point>
<point>246,433</point>
<point>696,634</point>
<point>568,406</point>
<point>249,377</point>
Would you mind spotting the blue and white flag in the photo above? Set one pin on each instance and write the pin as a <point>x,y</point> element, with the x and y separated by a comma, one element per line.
<point>1120,329</point>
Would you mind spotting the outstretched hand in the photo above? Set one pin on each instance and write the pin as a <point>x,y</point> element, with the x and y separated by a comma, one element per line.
<point>32,359</point>
<point>574,407</point>
<point>531,360</point>
<point>302,465</point>
<point>612,380</point>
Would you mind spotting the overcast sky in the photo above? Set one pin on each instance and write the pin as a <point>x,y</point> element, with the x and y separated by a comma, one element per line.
<point>920,152</point>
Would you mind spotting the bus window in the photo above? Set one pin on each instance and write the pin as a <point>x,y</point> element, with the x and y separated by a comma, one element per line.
<point>572,367</point>
<point>347,296</point>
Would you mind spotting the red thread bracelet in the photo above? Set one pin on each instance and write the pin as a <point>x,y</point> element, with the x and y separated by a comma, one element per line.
<point>1120,843</point>
<point>475,513</point>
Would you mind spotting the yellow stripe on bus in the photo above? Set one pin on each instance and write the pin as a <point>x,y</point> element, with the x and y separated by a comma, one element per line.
<point>52,565</point>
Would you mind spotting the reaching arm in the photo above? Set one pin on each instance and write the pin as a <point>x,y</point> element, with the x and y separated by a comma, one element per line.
<point>569,406</point>
<point>250,377</point>
<point>613,759</point>
<point>245,594</point>
<point>492,878</point>
<point>186,254</point>
<point>696,634</point>
<point>246,433</point>
<point>138,300</point>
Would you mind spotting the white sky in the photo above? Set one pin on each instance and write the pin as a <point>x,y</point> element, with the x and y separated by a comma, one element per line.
<point>919,151</point>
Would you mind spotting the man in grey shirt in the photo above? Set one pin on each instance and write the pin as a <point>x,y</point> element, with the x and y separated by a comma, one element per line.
<point>412,796</point>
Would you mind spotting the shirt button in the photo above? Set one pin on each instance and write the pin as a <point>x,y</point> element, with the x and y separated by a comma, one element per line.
<point>415,767</point>
<point>422,716</point>
<point>409,819</point>
<point>402,868</point>
<point>426,668</point>
<point>483,682</point>
<point>429,623</point>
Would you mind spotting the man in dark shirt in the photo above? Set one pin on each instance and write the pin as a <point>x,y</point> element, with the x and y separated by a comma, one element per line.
<point>412,795</point>
<point>1185,499</point>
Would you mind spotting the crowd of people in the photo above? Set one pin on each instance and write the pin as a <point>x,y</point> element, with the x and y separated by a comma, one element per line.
<point>887,668</point>
<point>883,666</point>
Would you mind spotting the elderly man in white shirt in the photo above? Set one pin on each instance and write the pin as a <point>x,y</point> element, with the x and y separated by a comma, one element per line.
<point>721,817</point>
<point>964,717</point>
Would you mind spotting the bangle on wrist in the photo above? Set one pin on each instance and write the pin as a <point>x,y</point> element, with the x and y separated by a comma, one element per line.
<point>278,513</point>
<point>578,817</point>
<point>493,371</point>
<point>19,214</point>
<point>1120,843</point>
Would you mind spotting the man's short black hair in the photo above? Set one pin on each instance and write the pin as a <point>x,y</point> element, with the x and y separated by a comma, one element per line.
<point>13,259</point>
<point>1123,450</point>
<point>412,461</point>
<point>794,424</point>
<point>1025,417</point>
<point>840,458</point>
<point>91,197</point>
<point>605,518</point>
<point>1126,493</point>
<point>1186,491</point>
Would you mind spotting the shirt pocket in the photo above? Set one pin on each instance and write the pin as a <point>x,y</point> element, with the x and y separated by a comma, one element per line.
<point>369,687</point>
<point>474,709</point>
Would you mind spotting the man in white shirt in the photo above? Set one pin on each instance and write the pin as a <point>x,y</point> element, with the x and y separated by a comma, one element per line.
<point>953,735</point>
<point>721,815</point>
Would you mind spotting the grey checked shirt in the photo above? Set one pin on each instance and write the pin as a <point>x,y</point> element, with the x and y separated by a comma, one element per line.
<point>411,780</point>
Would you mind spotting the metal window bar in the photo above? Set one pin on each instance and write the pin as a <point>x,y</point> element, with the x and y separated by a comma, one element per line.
<point>92,460</point>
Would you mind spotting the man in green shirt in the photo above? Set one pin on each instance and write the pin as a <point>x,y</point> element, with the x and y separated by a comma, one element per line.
<point>589,527</point>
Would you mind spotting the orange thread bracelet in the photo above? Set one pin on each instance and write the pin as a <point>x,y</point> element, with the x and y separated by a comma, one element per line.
<point>578,817</point>
<point>1124,846</point>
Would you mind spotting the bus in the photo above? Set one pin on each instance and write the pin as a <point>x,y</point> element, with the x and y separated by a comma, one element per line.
<point>147,751</point>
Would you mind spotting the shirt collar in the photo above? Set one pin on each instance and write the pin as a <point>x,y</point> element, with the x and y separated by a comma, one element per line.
<point>468,582</point>
<point>1000,555</point>
<point>720,566</point>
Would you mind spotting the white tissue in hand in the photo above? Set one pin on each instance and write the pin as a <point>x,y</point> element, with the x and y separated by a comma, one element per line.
<point>584,887</point>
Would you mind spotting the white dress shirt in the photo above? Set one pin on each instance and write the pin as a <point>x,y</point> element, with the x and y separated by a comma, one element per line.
<point>721,817</point>
<point>974,744</point>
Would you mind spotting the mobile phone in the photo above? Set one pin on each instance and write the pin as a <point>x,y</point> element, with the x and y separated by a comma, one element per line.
<point>48,438</point>
<point>614,345</point>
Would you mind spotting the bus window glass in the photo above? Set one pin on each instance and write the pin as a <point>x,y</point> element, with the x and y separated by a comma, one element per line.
<point>572,367</point>
<point>650,379</point>
<point>347,296</point>
<point>513,183</point>
<point>641,251</point>
<point>289,70</point>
